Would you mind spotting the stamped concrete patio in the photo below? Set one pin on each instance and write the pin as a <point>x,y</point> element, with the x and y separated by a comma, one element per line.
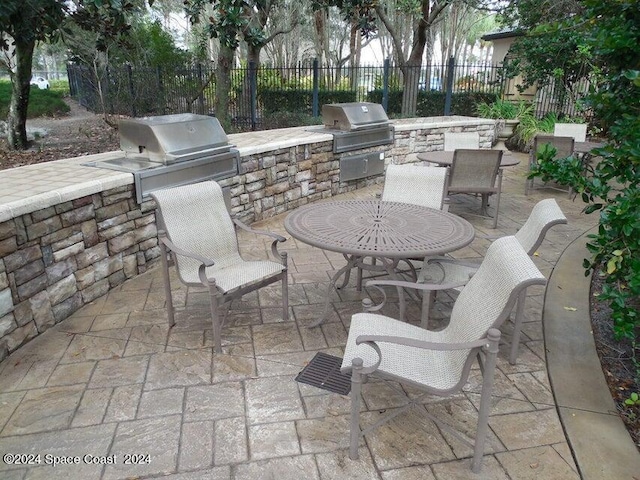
<point>114,382</point>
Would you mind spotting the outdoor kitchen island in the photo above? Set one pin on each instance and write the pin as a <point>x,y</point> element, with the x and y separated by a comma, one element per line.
<point>69,233</point>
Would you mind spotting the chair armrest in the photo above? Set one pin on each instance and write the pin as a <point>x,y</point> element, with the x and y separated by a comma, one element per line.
<point>246,228</point>
<point>274,245</point>
<point>204,261</point>
<point>178,251</point>
<point>416,286</point>
<point>453,261</point>
<point>488,237</point>
<point>490,343</point>
<point>369,306</point>
<point>438,346</point>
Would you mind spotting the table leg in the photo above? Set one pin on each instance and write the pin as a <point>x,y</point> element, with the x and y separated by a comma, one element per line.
<point>347,275</point>
<point>351,262</point>
<point>390,266</point>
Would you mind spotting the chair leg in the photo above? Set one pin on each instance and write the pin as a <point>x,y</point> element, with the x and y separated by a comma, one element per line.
<point>495,216</point>
<point>167,285</point>
<point>485,399</point>
<point>285,296</point>
<point>215,319</point>
<point>517,326</point>
<point>356,387</point>
<point>427,302</point>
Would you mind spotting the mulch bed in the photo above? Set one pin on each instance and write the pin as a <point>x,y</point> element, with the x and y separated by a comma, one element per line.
<point>616,357</point>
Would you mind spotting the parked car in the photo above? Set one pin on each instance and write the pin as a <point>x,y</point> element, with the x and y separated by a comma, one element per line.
<point>434,84</point>
<point>41,82</point>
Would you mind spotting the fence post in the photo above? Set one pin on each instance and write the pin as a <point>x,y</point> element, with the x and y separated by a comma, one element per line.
<point>106,94</point>
<point>161,100</point>
<point>385,84</point>
<point>447,99</point>
<point>315,107</point>
<point>72,81</point>
<point>253,94</point>
<point>201,95</point>
<point>134,113</point>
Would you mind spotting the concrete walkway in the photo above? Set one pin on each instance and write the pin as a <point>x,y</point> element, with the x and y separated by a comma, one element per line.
<point>115,390</point>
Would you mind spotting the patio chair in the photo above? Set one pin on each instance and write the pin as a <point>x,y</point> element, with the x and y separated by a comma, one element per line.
<point>439,362</point>
<point>477,171</point>
<point>195,228</point>
<point>455,140</point>
<point>416,185</point>
<point>576,130</point>
<point>445,270</point>
<point>564,148</point>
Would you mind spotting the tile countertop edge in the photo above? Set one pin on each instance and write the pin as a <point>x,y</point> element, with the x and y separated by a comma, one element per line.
<point>38,201</point>
<point>439,122</point>
<point>306,136</point>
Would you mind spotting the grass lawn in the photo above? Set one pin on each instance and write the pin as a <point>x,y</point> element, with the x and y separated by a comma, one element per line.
<point>47,103</point>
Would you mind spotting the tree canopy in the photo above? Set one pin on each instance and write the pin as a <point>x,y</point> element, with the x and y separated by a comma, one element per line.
<point>25,22</point>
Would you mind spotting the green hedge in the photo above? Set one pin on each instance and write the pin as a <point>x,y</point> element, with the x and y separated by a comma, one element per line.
<point>431,104</point>
<point>300,101</point>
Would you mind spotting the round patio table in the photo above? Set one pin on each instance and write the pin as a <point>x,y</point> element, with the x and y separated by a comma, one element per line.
<point>389,231</point>
<point>445,158</point>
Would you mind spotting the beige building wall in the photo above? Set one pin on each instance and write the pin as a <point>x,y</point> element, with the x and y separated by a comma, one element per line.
<point>500,49</point>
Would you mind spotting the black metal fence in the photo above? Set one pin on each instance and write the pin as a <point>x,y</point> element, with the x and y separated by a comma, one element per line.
<point>270,97</point>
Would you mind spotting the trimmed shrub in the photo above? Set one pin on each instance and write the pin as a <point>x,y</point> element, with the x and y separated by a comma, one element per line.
<point>300,101</point>
<point>431,104</point>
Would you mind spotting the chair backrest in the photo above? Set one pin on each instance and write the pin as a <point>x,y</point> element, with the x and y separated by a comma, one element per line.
<point>487,300</point>
<point>454,140</point>
<point>474,171</point>
<point>576,130</point>
<point>196,219</point>
<point>418,185</point>
<point>545,214</point>
<point>563,145</point>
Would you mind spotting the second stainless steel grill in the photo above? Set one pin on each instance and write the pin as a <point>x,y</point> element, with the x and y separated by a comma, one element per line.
<point>357,125</point>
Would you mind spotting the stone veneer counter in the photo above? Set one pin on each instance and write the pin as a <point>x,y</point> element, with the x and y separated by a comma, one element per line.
<point>70,233</point>
<point>33,187</point>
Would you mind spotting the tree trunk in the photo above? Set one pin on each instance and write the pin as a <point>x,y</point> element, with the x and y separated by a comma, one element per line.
<point>354,55</point>
<point>244,100</point>
<point>410,88</point>
<point>412,69</point>
<point>321,42</point>
<point>17,120</point>
<point>223,85</point>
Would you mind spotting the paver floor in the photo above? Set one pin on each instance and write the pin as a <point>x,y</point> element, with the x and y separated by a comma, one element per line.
<point>115,390</point>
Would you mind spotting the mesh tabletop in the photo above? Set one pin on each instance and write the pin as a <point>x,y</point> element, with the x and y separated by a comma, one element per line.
<point>382,229</point>
<point>444,158</point>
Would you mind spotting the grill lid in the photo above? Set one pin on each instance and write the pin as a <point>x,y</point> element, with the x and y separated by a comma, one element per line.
<point>172,138</point>
<point>354,116</point>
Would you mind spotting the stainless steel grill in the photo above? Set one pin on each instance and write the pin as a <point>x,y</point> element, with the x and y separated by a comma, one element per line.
<point>357,125</point>
<point>171,150</point>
